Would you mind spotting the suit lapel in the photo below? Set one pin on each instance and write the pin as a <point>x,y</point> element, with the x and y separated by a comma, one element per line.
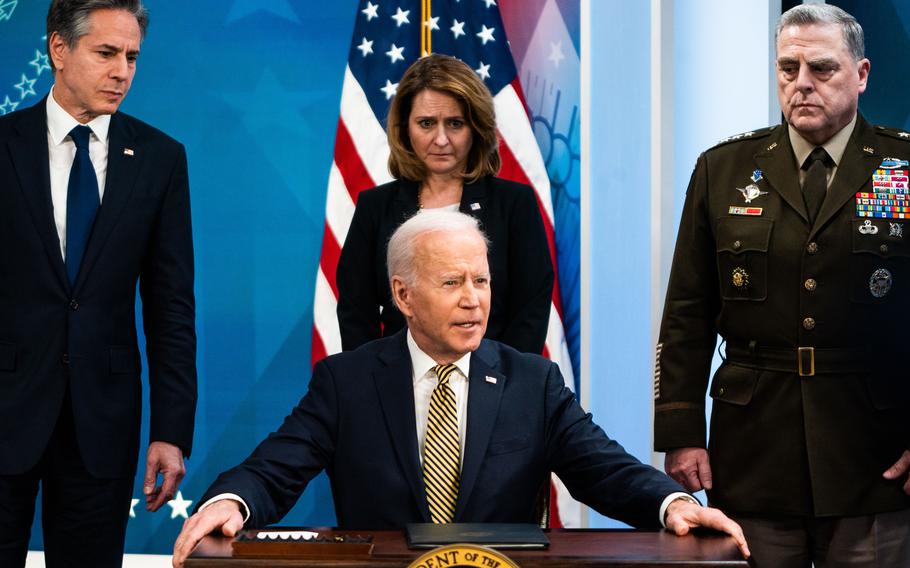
<point>407,198</point>
<point>123,160</point>
<point>395,389</point>
<point>778,166</point>
<point>484,397</point>
<point>30,159</point>
<point>857,165</point>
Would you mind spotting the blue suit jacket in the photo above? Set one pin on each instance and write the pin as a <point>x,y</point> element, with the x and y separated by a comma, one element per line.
<point>357,422</point>
<point>55,336</point>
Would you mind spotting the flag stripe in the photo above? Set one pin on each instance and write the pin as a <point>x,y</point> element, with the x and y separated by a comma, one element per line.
<point>355,175</point>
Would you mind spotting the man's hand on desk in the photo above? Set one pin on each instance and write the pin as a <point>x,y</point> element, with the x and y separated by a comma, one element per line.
<point>222,515</point>
<point>683,515</point>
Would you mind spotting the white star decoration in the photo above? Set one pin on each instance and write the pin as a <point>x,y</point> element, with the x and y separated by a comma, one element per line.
<point>40,62</point>
<point>457,28</point>
<point>365,47</point>
<point>483,70</point>
<point>490,3</point>
<point>371,11</point>
<point>432,23</point>
<point>556,54</point>
<point>401,17</point>
<point>133,503</point>
<point>179,506</point>
<point>26,86</point>
<point>486,34</point>
<point>389,89</point>
<point>8,106</point>
<point>395,53</point>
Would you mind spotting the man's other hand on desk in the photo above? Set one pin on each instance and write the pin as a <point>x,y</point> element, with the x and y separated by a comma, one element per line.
<point>683,515</point>
<point>223,515</point>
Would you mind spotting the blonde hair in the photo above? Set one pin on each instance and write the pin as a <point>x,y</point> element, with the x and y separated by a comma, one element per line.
<point>452,77</point>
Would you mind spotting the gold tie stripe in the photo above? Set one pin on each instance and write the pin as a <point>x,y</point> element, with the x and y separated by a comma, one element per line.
<point>442,449</point>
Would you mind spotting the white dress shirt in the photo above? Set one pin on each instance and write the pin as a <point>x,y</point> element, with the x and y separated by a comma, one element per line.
<point>61,151</point>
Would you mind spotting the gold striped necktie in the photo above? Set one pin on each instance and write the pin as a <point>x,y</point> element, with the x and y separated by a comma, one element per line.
<point>442,449</point>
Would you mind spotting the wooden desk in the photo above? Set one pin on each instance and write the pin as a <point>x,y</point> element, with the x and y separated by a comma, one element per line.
<point>579,547</point>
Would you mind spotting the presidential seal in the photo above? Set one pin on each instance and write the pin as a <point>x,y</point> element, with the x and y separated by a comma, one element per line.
<point>456,555</point>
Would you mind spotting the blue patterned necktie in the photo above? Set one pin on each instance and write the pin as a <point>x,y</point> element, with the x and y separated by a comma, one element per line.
<point>82,202</point>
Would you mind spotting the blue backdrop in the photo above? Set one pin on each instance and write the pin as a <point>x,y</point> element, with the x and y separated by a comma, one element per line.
<point>252,88</point>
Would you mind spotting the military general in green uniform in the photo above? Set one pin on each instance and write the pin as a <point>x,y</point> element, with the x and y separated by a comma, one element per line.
<point>794,247</point>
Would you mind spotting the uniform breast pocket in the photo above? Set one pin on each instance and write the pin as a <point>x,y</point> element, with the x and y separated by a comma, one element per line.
<point>879,264</point>
<point>742,257</point>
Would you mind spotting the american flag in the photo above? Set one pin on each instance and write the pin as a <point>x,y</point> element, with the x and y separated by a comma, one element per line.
<point>388,37</point>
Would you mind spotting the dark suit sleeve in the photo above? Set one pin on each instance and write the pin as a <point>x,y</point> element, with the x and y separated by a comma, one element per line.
<point>274,476</point>
<point>530,277</point>
<point>358,298</point>
<point>688,331</point>
<point>169,313</point>
<point>597,470</point>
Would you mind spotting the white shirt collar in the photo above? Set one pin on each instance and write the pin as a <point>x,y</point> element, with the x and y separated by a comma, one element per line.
<point>421,363</point>
<point>60,122</point>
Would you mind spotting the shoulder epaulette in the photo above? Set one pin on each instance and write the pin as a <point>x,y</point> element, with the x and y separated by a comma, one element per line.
<point>750,135</point>
<point>893,132</point>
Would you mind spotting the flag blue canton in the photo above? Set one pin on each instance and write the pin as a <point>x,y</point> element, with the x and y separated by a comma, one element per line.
<point>387,36</point>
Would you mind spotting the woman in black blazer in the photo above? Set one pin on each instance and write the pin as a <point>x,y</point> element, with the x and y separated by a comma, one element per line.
<point>444,154</point>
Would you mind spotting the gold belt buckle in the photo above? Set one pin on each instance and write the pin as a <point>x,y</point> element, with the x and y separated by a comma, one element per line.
<point>806,355</point>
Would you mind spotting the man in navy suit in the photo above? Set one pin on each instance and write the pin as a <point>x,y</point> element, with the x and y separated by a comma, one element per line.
<point>92,201</point>
<point>368,419</point>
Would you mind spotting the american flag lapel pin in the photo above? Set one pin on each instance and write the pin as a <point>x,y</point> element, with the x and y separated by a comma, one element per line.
<point>491,380</point>
<point>475,206</point>
<point>128,152</point>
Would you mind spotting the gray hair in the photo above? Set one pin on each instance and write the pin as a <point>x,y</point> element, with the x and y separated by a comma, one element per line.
<point>70,18</point>
<point>401,251</point>
<point>823,14</point>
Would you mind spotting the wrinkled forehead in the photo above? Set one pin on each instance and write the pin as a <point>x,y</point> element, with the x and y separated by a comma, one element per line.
<point>815,38</point>
<point>439,249</point>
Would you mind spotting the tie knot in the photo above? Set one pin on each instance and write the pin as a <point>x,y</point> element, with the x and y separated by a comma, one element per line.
<point>80,136</point>
<point>818,154</point>
<point>444,372</point>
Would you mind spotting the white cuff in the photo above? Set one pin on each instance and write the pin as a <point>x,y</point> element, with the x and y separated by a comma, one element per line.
<point>233,497</point>
<point>669,499</point>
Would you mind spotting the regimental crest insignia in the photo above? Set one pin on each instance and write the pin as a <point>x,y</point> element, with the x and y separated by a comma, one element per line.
<point>740,278</point>
<point>897,230</point>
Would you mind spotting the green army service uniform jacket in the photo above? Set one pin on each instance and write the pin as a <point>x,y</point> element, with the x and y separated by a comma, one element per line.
<point>805,432</point>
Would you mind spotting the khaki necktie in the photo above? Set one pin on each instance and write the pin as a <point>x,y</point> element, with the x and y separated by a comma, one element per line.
<point>442,450</point>
<point>815,185</point>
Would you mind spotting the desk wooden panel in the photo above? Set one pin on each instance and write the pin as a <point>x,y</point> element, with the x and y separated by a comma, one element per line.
<point>579,547</point>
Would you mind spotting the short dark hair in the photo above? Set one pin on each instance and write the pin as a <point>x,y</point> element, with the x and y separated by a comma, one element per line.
<point>70,18</point>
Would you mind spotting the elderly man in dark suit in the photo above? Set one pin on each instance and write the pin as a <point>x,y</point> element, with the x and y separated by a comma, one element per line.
<point>437,424</point>
<point>91,201</point>
<point>793,248</point>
